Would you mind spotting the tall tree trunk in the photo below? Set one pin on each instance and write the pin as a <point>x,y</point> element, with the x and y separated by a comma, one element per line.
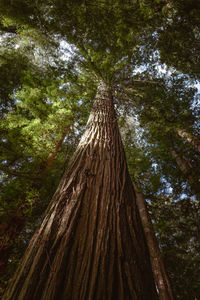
<point>91,244</point>
<point>186,167</point>
<point>157,263</point>
<point>190,139</point>
<point>11,229</point>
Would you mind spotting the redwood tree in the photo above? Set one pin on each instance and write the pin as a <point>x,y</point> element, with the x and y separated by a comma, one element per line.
<point>91,243</point>
<point>157,263</point>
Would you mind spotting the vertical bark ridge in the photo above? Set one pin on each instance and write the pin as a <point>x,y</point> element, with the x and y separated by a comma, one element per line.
<point>90,244</point>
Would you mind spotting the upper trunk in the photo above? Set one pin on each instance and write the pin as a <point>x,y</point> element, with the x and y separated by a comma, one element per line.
<point>90,244</point>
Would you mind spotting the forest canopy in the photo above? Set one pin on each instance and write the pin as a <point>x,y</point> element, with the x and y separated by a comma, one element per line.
<point>53,55</point>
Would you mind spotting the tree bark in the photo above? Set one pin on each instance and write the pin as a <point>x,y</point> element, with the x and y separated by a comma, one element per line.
<point>157,263</point>
<point>190,139</point>
<point>91,244</point>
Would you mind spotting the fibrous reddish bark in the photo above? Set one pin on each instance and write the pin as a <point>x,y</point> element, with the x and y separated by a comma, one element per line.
<point>91,244</point>
<point>157,263</point>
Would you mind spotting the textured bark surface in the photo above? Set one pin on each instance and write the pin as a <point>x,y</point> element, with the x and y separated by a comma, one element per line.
<point>91,244</point>
<point>157,263</point>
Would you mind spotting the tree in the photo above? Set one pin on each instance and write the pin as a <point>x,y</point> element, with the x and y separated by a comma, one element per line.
<point>177,225</point>
<point>110,39</point>
<point>33,32</point>
<point>91,243</point>
<point>157,263</point>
